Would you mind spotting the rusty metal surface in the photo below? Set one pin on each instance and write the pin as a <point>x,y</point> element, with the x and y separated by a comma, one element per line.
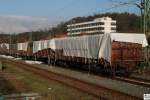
<point>127,54</point>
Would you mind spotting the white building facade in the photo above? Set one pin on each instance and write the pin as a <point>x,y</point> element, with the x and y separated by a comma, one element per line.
<point>97,26</point>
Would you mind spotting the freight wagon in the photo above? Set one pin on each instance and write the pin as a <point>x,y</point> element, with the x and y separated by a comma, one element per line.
<point>8,49</point>
<point>23,49</point>
<point>111,52</point>
<point>127,50</point>
<point>4,47</point>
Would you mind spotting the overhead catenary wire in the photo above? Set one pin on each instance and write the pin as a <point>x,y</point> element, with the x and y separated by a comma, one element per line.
<point>116,5</point>
<point>137,3</point>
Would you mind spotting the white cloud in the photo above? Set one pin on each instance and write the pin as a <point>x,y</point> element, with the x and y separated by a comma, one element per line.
<point>16,24</point>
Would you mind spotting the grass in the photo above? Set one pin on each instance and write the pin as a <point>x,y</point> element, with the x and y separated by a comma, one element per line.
<point>48,89</point>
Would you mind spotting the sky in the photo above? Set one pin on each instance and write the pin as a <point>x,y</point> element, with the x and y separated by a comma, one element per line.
<point>29,15</point>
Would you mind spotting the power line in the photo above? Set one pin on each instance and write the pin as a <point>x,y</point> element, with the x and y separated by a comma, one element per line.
<point>115,6</point>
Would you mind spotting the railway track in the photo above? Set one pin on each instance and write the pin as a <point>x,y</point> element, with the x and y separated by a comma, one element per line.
<point>134,80</point>
<point>101,92</point>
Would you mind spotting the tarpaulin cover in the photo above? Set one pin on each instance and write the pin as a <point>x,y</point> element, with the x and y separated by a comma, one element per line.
<point>4,46</point>
<point>89,46</point>
<point>130,37</point>
<point>8,46</point>
<point>40,45</point>
<point>22,46</point>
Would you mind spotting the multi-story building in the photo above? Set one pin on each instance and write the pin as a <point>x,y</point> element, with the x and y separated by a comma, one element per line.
<point>98,25</point>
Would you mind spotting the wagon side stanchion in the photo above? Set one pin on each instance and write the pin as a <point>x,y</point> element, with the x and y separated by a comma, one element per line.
<point>89,64</point>
<point>35,57</point>
<point>49,60</point>
<point>25,56</point>
<point>148,55</point>
<point>48,56</point>
<point>88,61</point>
<point>114,71</point>
<point>55,58</point>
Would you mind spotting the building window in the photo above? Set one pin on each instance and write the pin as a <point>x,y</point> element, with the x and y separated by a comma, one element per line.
<point>100,23</point>
<point>113,23</point>
<point>113,28</point>
<point>92,26</point>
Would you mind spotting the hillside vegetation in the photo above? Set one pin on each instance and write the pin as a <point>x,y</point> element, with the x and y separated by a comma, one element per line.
<point>126,22</point>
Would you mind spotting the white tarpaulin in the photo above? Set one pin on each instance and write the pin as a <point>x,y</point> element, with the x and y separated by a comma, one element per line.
<point>22,46</point>
<point>4,46</point>
<point>105,48</point>
<point>130,37</point>
<point>37,46</point>
<point>89,46</point>
<point>40,45</point>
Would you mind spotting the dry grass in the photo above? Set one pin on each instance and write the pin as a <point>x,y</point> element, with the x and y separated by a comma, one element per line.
<point>48,89</point>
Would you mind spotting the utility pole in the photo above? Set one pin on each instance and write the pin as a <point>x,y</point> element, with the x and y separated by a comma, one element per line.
<point>146,26</point>
<point>144,6</point>
<point>10,44</point>
<point>147,17</point>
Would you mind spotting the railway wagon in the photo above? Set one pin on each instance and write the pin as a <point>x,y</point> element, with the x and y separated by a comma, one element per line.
<point>113,51</point>
<point>24,49</point>
<point>8,49</point>
<point>77,50</point>
<point>19,49</point>
<point>4,47</point>
<point>128,50</point>
<point>107,52</point>
<point>126,55</point>
<point>12,49</point>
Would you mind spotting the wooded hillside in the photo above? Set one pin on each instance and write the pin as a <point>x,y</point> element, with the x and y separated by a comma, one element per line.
<point>126,22</point>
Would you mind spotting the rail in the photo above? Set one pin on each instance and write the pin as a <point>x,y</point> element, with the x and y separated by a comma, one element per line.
<point>90,88</point>
<point>134,80</point>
